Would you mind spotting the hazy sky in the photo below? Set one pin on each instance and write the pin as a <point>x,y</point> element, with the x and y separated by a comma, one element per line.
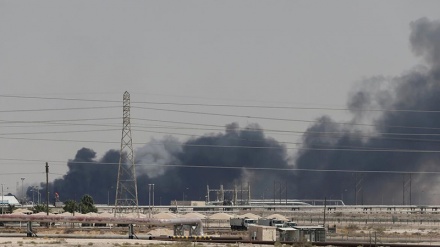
<point>272,53</point>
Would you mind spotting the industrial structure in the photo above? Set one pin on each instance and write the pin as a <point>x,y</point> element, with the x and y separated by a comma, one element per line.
<point>235,200</point>
<point>126,188</point>
<point>194,225</point>
<point>241,196</point>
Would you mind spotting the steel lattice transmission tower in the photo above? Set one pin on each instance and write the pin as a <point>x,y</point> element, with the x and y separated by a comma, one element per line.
<point>126,187</point>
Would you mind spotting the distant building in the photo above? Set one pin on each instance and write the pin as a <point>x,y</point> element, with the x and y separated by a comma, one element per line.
<point>302,233</point>
<point>188,203</point>
<point>8,200</point>
<point>262,233</point>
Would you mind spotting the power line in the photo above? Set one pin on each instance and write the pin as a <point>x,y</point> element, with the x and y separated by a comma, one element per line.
<point>319,135</point>
<point>55,123</point>
<point>223,105</point>
<point>57,98</point>
<point>369,149</point>
<point>57,140</point>
<point>376,135</point>
<point>59,109</point>
<point>236,167</point>
<point>237,139</point>
<point>218,127</point>
<point>214,114</point>
<point>58,132</point>
<point>241,129</point>
<point>286,107</point>
<point>19,173</point>
<point>271,118</point>
<point>295,132</point>
<point>52,173</point>
<point>284,132</point>
<point>221,127</point>
<point>58,120</point>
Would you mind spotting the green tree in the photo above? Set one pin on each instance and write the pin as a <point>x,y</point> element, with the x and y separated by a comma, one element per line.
<point>70,206</point>
<point>39,208</point>
<point>11,208</point>
<point>87,205</point>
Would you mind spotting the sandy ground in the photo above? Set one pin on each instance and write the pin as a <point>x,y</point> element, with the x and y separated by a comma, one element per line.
<point>13,241</point>
<point>405,227</point>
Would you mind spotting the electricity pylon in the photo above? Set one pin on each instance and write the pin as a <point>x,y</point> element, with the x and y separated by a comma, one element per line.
<point>126,188</point>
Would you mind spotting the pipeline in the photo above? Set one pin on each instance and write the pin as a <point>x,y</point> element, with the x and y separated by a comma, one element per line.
<point>114,220</point>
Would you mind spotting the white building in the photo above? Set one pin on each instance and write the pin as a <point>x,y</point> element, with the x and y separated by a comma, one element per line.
<point>9,200</point>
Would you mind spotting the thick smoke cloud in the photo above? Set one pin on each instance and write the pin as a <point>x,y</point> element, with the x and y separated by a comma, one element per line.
<point>424,39</point>
<point>88,176</point>
<point>153,157</point>
<point>419,90</point>
<point>176,168</point>
<point>180,170</point>
<point>241,148</point>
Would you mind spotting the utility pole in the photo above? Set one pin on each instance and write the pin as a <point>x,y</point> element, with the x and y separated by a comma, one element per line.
<point>274,196</point>
<point>249,194</point>
<point>22,193</point>
<point>33,195</point>
<point>150,198</point>
<point>3,203</point>
<point>47,188</point>
<point>38,195</point>
<point>126,186</point>
<point>358,188</point>
<point>406,189</point>
<point>325,208</point>
<point>410,190</point>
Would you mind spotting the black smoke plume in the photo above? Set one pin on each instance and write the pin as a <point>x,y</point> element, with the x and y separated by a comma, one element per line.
<point>358,162</point>
<point>86,175</point>
<point>180,170</point>
<point>413,130</point>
